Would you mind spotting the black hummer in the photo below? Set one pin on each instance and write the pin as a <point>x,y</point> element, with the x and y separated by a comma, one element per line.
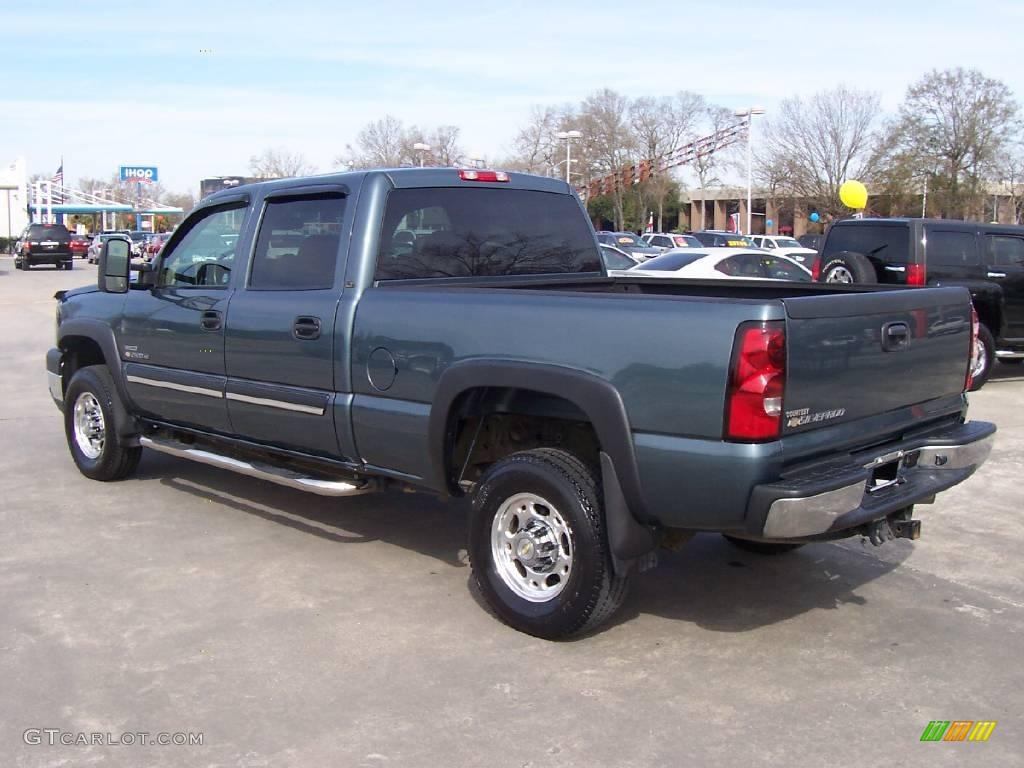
<point>44,244</point>
<point>987,259</point>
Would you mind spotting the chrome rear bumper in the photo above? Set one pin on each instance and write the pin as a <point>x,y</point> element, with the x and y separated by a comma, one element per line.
<point>848,495</point>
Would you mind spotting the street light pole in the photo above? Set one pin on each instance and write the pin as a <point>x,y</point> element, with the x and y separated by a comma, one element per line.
<point>568,136</point>
<point>749,113</point>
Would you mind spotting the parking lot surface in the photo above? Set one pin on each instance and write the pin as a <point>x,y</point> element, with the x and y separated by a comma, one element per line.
<point>295,630</point>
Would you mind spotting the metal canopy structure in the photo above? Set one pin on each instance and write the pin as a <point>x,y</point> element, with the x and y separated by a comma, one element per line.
<point>626,176</point>
<point>48,199</point>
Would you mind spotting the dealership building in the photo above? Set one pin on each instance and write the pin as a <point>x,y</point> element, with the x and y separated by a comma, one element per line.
<point>13,198</point>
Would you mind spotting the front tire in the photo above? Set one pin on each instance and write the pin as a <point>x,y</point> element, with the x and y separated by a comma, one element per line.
<point>98,451</point>
<point>538,547</point>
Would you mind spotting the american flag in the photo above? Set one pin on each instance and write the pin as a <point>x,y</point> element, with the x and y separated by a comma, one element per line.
<point>58,179</point>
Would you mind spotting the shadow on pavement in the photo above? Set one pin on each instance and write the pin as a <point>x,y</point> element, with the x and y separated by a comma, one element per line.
<point>1004,373</point>
<point>709,583</point>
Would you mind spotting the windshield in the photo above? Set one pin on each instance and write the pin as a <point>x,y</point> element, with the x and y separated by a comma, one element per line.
<point>614,259</point>
<point>786,242</point>
<point>624,238</point>
<point>670,262</point>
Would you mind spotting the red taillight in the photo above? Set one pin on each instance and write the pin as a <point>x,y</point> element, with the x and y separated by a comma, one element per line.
<point>757,380</point>
<point>975,351</point>
<point>915,274</point>
<point>816,269</point>
<point>467,174</point>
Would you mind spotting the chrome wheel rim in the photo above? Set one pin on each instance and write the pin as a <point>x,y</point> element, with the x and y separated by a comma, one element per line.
<point>531,545</point>
<point>839,274</point>
<point>980,359</point>
<point>90,429</point>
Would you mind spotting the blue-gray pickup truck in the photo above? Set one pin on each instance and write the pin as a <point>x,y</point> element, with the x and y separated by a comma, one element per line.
<point>454,331</point>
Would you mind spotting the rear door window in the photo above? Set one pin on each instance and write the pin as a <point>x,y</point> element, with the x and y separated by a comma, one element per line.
<point>297,245</point>
<point>884,242</point>
<point>1006,251</point>
<point>951,249</point>
<point>483,232</point>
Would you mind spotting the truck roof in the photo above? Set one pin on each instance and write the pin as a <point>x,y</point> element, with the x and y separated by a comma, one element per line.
<point>403,178</point>
<point>961,224</point>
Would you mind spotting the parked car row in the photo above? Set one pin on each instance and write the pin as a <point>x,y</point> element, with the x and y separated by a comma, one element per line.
<point>986,259</point>
<point>54,244</point>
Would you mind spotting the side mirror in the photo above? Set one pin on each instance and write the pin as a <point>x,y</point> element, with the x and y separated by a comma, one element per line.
<point>115,263</point>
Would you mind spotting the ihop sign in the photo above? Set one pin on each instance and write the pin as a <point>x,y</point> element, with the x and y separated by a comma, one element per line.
<point>143,173</point>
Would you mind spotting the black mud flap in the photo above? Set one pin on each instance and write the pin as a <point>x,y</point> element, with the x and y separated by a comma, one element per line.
<point>632,544</point>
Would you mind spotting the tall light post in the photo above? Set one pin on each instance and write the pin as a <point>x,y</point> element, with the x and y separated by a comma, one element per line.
<point>748,114</point>
<point>422,148</point>
<point>568,136</point>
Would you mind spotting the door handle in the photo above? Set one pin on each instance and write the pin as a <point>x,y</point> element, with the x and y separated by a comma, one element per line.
<point>997,274</point>
<point>895,336</point>
<point>306,328</point>
<point>210,320</point>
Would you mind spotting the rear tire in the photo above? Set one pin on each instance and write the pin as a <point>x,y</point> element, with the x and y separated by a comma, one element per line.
<point>89,403</point>
<point>762,547</point>
<point>986,356</point>
<point>847,267</point>
<point>538,546</point>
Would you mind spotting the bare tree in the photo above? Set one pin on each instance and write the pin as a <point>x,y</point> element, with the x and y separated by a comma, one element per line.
<point>536,149</point>
<point>387,143</point>
<point>609,141</point>
<point>958,122</point>
<point>712,155</point>
<point>278,163</point>
<point>818,143</point>
<point>1010,173</point>
<point>661,125</point>
<point>444,146</point>
<point>380,144</point>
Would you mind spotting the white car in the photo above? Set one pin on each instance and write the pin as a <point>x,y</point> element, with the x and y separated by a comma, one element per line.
<point>722,264</point>
<point>786,246</point>
<point>668,241</point>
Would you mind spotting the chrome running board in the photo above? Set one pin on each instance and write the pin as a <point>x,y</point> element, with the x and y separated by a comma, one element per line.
<point>268,472</point>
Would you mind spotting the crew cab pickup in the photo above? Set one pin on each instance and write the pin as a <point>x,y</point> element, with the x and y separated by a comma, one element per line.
<point>454,331</point>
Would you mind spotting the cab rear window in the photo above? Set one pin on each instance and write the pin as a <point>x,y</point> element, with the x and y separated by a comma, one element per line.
<point>481,232</point>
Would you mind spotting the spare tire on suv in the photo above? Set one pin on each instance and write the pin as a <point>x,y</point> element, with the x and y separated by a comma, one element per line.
<point>847,267</point>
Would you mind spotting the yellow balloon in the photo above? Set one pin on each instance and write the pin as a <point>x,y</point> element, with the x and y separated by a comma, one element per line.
<point>853,194</point>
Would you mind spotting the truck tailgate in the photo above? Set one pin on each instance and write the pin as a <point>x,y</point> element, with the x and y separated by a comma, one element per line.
<point>861,354</point>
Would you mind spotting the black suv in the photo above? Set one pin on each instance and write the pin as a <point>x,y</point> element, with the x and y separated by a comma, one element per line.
<point>716,239</point>
<point>987,259</point>
<point>44,244</point>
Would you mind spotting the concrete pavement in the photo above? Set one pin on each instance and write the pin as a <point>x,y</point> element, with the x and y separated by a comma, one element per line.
<point>294,630</point>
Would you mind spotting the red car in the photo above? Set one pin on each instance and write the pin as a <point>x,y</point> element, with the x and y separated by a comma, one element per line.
<point>79,245</point>
<point>155,243</point>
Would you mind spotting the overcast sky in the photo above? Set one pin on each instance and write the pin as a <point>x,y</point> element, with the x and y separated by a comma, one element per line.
<point>110,83</point>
